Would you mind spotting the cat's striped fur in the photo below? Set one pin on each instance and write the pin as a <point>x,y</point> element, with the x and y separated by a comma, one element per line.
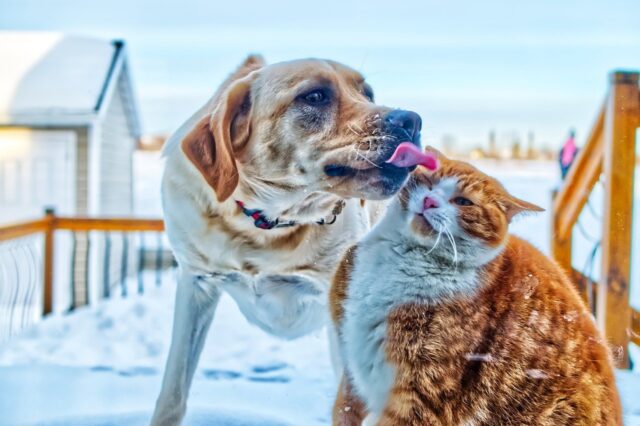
<point>491,333</point>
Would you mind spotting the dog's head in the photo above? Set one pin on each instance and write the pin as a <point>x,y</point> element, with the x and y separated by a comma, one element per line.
<point>306,125</point>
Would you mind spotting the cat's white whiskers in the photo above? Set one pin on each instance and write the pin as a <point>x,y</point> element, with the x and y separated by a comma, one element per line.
<point>441,228</point>
<point>454,247</point>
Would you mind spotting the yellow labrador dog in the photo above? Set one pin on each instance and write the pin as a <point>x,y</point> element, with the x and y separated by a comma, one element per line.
<point>263,190</point>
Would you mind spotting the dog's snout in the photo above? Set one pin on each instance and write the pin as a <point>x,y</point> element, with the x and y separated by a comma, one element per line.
<point>407,120</point>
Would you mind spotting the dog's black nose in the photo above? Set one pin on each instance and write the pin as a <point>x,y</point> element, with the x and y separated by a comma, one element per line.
<point>407,120</point>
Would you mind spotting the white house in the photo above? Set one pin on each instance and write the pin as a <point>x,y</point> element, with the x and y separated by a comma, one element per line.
<point>68,126</point>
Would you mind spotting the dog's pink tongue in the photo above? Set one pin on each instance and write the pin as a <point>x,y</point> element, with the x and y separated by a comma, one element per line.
<point>408,154</point>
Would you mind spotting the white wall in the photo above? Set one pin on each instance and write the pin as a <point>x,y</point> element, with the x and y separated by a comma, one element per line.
<point>116,159</point>
<point>37,169</point>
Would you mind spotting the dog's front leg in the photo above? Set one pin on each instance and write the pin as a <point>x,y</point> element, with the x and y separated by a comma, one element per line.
<point>196,301</point>
<point>285,305</point>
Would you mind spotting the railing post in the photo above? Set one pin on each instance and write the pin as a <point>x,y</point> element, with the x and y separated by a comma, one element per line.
<point>561,245</point>
<point>612,307</point>
<point>48,259</point>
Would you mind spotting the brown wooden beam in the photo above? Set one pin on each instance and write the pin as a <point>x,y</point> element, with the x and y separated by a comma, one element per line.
<point>51,223</point>
<point>23,229</point>
<point>634,334</point>
<point>47,263</point>
<point>579,182</point>
<point>111,224</point>
<point>584,284</point>
<point>561,247</point>
<point>612,308</point>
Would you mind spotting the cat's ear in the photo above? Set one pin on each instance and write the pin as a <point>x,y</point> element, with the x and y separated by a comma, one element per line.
<point>514,206</point>
<point>429,149</point>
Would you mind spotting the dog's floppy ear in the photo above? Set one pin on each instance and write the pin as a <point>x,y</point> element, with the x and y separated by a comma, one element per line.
<point>211,144</point>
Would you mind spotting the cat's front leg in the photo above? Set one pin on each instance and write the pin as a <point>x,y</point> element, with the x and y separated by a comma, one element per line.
<point>348,409</point>
<point>401,409</point>
<point>285,305</point>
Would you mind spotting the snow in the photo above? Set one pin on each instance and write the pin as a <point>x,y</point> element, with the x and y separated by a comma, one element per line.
<point>102,365</point>
<point>50,74</point>
<point>117,351</point>
<point>148,167</point>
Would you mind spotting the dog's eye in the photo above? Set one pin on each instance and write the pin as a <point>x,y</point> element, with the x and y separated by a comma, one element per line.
<point>368,93</point>
<point>461,201</point>
<point>316,97</point>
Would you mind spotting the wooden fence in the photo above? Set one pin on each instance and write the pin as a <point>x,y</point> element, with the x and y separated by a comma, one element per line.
<point>50,225</point>
<point>609,155</point>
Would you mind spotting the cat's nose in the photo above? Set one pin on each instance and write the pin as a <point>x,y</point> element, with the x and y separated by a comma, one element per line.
<point>430,203</point>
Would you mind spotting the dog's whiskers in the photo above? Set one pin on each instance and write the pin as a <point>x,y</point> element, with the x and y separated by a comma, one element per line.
<point>376,136</point>
<point>356,150</point>
<point>364,157</point>
<point>359,129</point>
<point>357,132</point>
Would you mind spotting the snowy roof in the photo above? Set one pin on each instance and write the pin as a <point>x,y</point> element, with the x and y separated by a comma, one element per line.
<point>55,79</point>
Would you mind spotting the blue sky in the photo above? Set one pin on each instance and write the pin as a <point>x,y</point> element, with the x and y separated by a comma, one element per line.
<point>466,66</point>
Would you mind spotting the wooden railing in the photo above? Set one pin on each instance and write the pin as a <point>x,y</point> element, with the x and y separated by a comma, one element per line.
<point>50,224</point>
<point>609,154</point>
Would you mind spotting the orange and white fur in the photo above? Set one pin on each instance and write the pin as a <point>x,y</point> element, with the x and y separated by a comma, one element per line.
<point>443,318</point>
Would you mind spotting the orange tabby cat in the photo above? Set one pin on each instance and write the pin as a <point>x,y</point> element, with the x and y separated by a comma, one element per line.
<point>443,318</point>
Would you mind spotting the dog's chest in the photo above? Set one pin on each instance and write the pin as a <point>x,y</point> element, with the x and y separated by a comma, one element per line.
<point>228,253</point>
<point>316,250</point>
<point>385,277</point>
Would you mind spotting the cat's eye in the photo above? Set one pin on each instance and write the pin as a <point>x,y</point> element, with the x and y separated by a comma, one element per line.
<point>461,201</point>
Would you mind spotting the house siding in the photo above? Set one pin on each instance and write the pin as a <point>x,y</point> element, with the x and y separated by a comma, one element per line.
<point>116,158</point>
<point>116,191</point>
<point>115,199</point>
<point>82,171</point>
<point>79,243</point>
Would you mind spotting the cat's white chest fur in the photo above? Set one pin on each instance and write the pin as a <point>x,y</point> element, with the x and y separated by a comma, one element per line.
<point>364,330</point>
<point>388,272</point>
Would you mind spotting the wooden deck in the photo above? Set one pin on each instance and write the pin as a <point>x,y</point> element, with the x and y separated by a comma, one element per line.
<point>50,224</point>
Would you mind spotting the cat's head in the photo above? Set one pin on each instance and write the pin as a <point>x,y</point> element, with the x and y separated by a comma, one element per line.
<point>458,211</point>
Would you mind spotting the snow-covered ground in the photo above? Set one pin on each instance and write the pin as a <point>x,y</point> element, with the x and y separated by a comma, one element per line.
<point>102,365</point>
